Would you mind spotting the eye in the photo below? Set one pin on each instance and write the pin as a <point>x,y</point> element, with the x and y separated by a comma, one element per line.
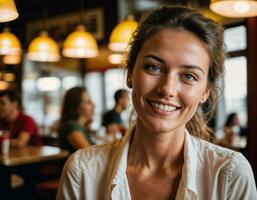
<point>154,69</point>
<point>189,77</point>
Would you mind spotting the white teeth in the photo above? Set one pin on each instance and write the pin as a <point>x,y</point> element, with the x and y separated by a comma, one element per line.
<point>163,107</point>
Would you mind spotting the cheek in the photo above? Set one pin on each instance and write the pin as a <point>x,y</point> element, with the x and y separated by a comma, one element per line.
<point>84,108</point>
<point>192,98</point>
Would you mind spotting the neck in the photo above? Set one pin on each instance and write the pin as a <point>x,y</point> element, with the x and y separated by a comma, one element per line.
<point>118,108</point>
<point>156,151</point>
<point>82,120</point>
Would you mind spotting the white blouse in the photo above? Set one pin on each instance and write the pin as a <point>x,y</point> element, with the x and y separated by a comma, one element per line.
<point>210,172</point>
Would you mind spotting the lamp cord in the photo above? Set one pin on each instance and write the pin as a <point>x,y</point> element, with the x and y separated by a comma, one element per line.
<point>82,4</point>
<point>45,14</point>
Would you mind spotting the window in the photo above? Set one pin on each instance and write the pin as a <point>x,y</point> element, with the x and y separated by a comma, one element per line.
<point>45,103</point>
<point>236,87</point>
<point>235,38</point>
<point>102,87</point>
<point>235,80</point>
<point>93,83</point>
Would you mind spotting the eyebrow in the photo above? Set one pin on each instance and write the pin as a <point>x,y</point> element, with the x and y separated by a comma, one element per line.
<point>193,67</point>
<point>184,66</point>
<point>155,58</point>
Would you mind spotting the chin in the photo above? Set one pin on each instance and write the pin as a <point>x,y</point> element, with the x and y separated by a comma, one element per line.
<point>161,127</point>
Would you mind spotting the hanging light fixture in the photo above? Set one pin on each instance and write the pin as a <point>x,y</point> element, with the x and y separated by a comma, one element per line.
<point>80,44</point>
<point>11,59</point>
<point>234,8</point>
<point>9,77</point>
<point>3,85</point>
<point>9,43</point>
<point>8,11</point>
<point>122,34</point>
<point>43,49</point>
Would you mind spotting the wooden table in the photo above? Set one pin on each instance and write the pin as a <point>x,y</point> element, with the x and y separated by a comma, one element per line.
<point>26,161</point>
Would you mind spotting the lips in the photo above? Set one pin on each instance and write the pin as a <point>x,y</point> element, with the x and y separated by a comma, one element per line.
<point>163,106</point>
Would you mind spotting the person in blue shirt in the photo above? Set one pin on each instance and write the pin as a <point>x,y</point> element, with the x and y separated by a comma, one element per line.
<point>112,120</point>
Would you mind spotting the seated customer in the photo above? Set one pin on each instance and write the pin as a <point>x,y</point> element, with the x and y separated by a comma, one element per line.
<point>22,127</point>
<point>232,128</point>
<point>112,120</point>
<point>77,112</point>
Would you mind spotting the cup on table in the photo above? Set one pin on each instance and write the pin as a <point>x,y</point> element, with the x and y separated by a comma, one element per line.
<point>4,142</point>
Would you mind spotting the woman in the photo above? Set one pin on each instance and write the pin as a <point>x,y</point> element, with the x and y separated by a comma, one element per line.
<point>231,129</point>
<point>174,63</point>
<point>77,112</point>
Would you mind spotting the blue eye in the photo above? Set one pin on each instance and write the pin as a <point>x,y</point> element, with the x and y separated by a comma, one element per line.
<point>189,77</point>
<point>153,69</point>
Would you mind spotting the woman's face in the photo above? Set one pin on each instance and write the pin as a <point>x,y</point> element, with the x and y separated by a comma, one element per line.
<point>169,80</point>
<point>87,107</point>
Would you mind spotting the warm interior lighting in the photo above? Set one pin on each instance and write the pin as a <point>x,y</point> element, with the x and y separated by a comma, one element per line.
<point>9,77</point>
<point>12,59</point>
<point>80,44</point>
<point>116,59</point>
<point>8,11</point>
<point>9,43</point>
<point>234,8</point>
<point>122,34</point>
<point>48,84</point>
<point>43,49</point>
<point>3,85</point>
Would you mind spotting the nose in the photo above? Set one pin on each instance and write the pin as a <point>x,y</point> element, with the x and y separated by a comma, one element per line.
<point>168,86</point>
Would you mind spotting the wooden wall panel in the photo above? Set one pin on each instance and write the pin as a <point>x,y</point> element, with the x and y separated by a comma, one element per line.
<point>252,92</point>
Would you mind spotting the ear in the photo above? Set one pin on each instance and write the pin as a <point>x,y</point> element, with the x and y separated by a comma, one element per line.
<point>205,96</point>
<point>129,80</point>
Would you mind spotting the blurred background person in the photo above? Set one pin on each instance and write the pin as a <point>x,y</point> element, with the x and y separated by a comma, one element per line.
<point>22,128</point>
<point>112,120</point>
<point>76,115</point>
<point>232,127</point>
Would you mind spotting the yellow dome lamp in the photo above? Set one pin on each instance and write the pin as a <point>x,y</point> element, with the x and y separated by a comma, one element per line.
<point>8,11</point>
<point>3,85</point>
<point>121,34</point>
<point>11,59</point>
<point>9,43</point>
<point>80,44</point>
<point>43,49</point>
<point>234,8</point>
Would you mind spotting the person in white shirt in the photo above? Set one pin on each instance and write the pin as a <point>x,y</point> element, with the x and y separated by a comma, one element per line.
<point>174,63</point>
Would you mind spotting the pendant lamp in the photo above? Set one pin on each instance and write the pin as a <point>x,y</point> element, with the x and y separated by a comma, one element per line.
<point>9,43</point>
<point>80,44</point>
<point>3,85</point>
<point>121,34</point>
<point>9,77</point>
<point>8,11</point>
<point>43,49</point>
<point>11,59</point>
<point>234,8</point>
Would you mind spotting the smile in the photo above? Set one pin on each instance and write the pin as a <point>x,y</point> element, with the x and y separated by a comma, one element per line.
<point>163,107</point>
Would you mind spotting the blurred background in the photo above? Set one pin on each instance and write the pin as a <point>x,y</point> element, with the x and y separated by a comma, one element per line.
<point>43,78</point>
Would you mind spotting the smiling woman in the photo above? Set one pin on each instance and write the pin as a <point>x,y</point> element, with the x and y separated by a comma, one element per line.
<point>173,78</point>
<point>175,61</point>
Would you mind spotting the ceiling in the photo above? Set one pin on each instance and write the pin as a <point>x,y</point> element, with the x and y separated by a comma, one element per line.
<point>31,10</point>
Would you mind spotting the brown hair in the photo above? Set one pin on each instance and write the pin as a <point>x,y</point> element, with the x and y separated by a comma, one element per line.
<point>208,31</point>
<point>71,103</point>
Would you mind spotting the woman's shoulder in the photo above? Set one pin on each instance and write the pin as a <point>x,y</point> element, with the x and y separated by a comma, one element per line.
<point>70,126</point>
<point>226,159</point>
<point>95,155</point>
